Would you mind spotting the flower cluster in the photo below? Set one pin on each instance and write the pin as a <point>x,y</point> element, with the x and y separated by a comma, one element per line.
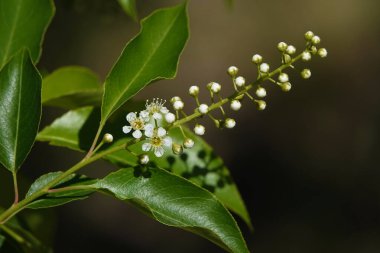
<point>155,120</point>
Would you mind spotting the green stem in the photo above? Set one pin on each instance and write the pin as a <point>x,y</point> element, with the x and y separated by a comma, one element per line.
<point>93,146</point>
<point>14,209</point>
<point>15,185</point>
<point>71,188</point>
<point>214,106</point>
<point>12,234</point>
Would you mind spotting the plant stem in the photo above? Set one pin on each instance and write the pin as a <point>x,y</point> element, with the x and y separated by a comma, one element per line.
<point>93,146</point>
<point>12,234</point>
<point>15,185</point>
<point>71,188</point>
<point>14,209</point>
<point>221,102</point>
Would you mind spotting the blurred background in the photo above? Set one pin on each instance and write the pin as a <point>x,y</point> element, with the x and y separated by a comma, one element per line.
<point>307,167</point>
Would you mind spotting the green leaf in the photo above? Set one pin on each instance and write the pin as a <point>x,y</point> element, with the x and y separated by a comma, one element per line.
<point>199,164</point>
<point>2,239</point>
<point>153,54</point>
<point>23,23</point>
<point>71,87</point>
<point>62,197</point>
<point>129,6</point>
<point>20,109</point>
<point>175,201</point>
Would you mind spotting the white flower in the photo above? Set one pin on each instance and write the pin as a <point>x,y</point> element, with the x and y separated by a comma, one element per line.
<point>235,105</point>
<point>257,58</point>
<point>143,159</point>
<point>157,140</point>
<point>170,117</point>
<point>156,108</point>
<point>136,123</point>
<point>203,108</point>
<point>199,129</point>
<point>240,81</point>
<point>264,67</point>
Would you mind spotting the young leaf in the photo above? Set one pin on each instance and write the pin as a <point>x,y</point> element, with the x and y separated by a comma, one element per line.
<point>129,6</point>
<point>23,24</point>
<point>71,87</point>
<point>153,54</point>
<point>199,164</point>
<point>175,201</point>
<point>20,109</point>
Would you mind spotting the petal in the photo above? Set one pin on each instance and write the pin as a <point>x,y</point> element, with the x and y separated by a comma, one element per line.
<point>149,129</point>
<point>164,110</point>
<point>167,141</point>
<point>161,132</point>
<point>131,116</point>
<point>146,147</point>
<point>137,134</point>
<point>127,129</point>
<point>144,114</point>
<point>159,151</point>
<point>157,115</point>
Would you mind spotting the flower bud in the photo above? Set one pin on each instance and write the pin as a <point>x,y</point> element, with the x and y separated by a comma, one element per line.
<point>309,35</point>
<point>174,99</point>
<point>306,73</point>
<point>177,149</point>
<point>261,92</point>
<point>285,86</point>
<point>257,59</point>
<point>203,108</point>
<point>261,105</point>
<point>264,67</point>
<point>282,46</point>
<point>322,52</point>
<point>315,40</point>
<point>291,49</point>
<point>314,50</point>
<point>188,143</point>
<point>235,105</point>
<point>240,81</point>
<point>306,56</point>
<point>287,58</point>
<point>108,138</point>
<point>199,129</point>
<point>283,77</point>
<point>170,117</point>
<point>229,123</point>
<point>194,90</point>
<point>178,105</point>
<point>143,159</point>
<point>215,87</point>
<point>232,71</point>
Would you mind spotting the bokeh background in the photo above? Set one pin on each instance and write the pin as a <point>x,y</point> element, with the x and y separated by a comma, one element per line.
<point>307,167</point>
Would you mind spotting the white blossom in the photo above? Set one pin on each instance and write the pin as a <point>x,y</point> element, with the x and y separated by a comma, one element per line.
<point>264,67</point>
<point>157,140</point>
<point>155,109</point>
<point>283,77</point>
<point>178,105</point>
<point>188,143</point>
<point>291,49</point>
<point>232,71</point>
<point>229,123</point>
<point>306,56</point>
<point>315,40</point>
<point>199,129</point>
<point>137,123</point>
<point>257,58</point>
<point>194,90</point>
<point>261,92</point>
<point>170,117</point>
<point>322,52</point>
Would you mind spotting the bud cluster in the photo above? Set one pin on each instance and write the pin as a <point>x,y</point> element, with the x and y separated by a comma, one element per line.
<point>153,123</point>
